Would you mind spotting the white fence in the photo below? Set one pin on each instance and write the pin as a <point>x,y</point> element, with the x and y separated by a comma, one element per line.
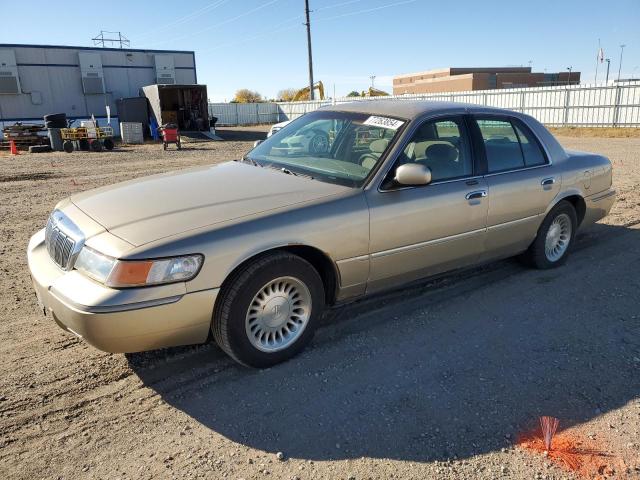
<point>615,105</point>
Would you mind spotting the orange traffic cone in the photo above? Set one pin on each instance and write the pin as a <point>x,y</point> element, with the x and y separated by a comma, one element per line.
<point>14,149</point>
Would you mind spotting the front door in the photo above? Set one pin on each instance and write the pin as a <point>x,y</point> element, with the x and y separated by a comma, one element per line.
<point>423,230</point>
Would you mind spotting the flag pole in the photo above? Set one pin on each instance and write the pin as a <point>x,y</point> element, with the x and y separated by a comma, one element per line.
<point>597,61</point>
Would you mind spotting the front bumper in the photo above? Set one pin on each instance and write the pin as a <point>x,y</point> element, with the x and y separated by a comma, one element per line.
<point>119,320</point>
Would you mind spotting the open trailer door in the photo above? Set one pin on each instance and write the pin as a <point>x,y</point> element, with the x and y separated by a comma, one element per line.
<point>184,105</point>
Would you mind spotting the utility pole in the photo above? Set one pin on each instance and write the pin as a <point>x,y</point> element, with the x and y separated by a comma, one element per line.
<point>308,24</point>
<point>620,65</point>
<point>569,76</point>
<point>608,60</point>
<point>372,77</point>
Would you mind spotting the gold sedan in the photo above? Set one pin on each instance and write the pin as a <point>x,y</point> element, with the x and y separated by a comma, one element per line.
<point>340,203</point>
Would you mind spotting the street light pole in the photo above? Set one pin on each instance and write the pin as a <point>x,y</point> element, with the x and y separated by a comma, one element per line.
<point>308,24</point>
<point>608,60</point>
<point>569,76</point>
<point>620,65</point>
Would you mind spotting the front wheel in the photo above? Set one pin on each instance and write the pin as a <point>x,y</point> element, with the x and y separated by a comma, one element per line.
<point>554,239</point>
<point>269,310</point>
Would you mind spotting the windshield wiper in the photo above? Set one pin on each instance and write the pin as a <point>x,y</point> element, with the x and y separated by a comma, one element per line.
<point>289,172</point>
<point>251,161</point>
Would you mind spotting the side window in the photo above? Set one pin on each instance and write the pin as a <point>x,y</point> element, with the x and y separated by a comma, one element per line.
<point>501,145</point>
<point>443,146</point>
<point>531,150</point>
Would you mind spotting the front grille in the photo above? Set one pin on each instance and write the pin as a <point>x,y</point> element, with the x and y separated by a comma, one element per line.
<point>63,240</point>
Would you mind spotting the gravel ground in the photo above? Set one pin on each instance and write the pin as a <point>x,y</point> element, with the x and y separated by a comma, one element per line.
<point>436,380</point>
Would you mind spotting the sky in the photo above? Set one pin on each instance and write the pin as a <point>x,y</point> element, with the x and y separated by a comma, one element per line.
<point>261,44</point>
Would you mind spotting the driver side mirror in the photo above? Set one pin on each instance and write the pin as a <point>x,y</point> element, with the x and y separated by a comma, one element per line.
<point>413,174</point>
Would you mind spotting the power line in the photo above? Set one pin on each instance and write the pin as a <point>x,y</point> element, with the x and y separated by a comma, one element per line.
<point>184,19</point>
<point>220,46</point>
<point>367,10</point>
<point>342,4</point>
<point>274,29</point>
<point>211,27</point>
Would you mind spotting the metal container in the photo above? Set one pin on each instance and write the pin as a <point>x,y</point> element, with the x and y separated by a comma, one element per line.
<point>55,139</point>
<point>131,133</point>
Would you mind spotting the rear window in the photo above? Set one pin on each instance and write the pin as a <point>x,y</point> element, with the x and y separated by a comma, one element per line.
<point>531,150</point>
<point>509,145</point>
<point>501,145</point>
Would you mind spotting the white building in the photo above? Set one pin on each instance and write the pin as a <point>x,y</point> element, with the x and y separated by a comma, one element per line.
<point>80,81</point>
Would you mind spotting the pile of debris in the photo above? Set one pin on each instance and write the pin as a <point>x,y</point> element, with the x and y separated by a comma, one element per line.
<point>24,135</point>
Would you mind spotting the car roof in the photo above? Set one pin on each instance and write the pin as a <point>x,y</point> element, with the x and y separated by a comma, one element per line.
<point>408,109</point>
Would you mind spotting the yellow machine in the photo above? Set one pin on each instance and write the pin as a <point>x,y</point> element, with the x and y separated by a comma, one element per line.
<point>303,93</point>
<point>374,92</point>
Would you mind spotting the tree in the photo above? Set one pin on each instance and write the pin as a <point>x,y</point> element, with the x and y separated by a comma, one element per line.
<point>287,94</point>
<point>353,94</point>
<point>244,95</point>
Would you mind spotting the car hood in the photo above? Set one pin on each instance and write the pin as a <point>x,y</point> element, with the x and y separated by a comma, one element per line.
<point>147,209</point>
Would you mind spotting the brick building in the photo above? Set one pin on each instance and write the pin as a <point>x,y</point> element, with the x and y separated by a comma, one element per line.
<point>463,79</point>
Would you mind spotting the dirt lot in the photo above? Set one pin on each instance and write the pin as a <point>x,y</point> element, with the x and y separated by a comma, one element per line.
<point>434,381</point>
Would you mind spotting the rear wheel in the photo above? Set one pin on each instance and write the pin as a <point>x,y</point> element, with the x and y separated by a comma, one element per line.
<point>108,143</point>
<point>269,310</point>
<point>67,146</point>
<point>554,239</point>
<point>96,145</point>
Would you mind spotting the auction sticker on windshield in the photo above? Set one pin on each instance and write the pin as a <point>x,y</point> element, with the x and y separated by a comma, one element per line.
<point>384,122</point>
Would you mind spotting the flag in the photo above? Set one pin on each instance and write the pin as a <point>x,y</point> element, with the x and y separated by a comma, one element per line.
<point>601,55</point>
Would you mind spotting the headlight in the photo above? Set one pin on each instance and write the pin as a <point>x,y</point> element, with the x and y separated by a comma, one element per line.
<point>94,264</point>
<point>137,273</point>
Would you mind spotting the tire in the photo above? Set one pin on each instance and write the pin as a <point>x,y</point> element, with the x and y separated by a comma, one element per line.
<point>39,148</point>
<point>67,146</point>
<point>96,145</point>
<point>108,144</point>
<point>164,145</point>
<point>55,120</point>
<point>563,215</point>
<point>237,328</point>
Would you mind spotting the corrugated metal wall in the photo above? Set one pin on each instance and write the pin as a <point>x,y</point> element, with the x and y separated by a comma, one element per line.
<point>578,105</point>
<point>51,81</point>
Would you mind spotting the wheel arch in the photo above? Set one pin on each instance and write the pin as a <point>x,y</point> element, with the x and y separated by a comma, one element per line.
<point>321,262</point>
<point>576,199</point>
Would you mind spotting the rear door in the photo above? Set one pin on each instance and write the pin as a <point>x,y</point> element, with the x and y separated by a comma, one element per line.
<point>520,183</point>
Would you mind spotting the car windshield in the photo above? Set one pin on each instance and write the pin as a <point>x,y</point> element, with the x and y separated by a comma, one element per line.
<point>334,147</point>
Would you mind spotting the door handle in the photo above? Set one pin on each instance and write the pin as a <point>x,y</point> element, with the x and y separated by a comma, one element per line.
<point>546,182</point>
<point>476,194</point>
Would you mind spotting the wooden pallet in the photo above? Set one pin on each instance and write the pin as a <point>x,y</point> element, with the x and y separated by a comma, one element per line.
<point>24,145</point>
<point>23,135</point>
